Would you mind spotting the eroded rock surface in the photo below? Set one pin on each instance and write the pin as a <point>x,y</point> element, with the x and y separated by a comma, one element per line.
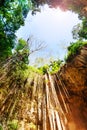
<point>45,102</point>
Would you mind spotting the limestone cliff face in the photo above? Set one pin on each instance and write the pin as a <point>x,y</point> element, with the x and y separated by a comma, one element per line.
<point>74,77</point>
<point>45,102</point>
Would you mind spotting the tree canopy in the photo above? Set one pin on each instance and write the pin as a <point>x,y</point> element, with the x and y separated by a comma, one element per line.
<point>12,16</point>
<point>14,12</point>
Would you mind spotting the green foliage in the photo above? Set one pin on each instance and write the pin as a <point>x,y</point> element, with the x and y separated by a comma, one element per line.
<point>34,69</point>
<point>44,69</point>
<point>83,30</point>
<point>80,30</point>
<point>32,126</point>
<point>13,125</point>
<point>21,44</point>
<point>74,48</point>
<point>12,16</point>
<point>1,127</point>
<point>22,50</point>
<point>20,71</point>
<point>53,67</point>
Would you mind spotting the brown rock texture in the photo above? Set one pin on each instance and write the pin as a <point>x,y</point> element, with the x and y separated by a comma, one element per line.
<point>74,77</point>
<point>45,102</point>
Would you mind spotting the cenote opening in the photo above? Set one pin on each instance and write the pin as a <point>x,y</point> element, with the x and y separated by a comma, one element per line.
<point>52,26</point>
<point>43,65</point>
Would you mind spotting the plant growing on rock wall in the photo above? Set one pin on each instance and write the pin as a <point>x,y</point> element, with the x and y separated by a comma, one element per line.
<point>1,127</point>
<point>13,125</point>
<point>73,49</point>
<point>53,67</point>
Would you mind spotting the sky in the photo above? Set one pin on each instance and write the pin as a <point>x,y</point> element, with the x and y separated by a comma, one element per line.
<point>51,26</point>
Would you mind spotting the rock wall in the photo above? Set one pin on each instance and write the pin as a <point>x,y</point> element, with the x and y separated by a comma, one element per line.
<point>44,102</point>
<point>74,77</point>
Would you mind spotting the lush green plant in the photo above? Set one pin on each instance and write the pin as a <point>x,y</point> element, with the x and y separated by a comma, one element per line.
<point>13,125</point>
<point>12,16</point>
<point>22,50</point>
<point>1,127</point>
<point>34,69</point>
<point>32,126</point>
<point>83,30</point>
<point>44,69</point>
<point>74,48</point>
<point>53,67</point>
